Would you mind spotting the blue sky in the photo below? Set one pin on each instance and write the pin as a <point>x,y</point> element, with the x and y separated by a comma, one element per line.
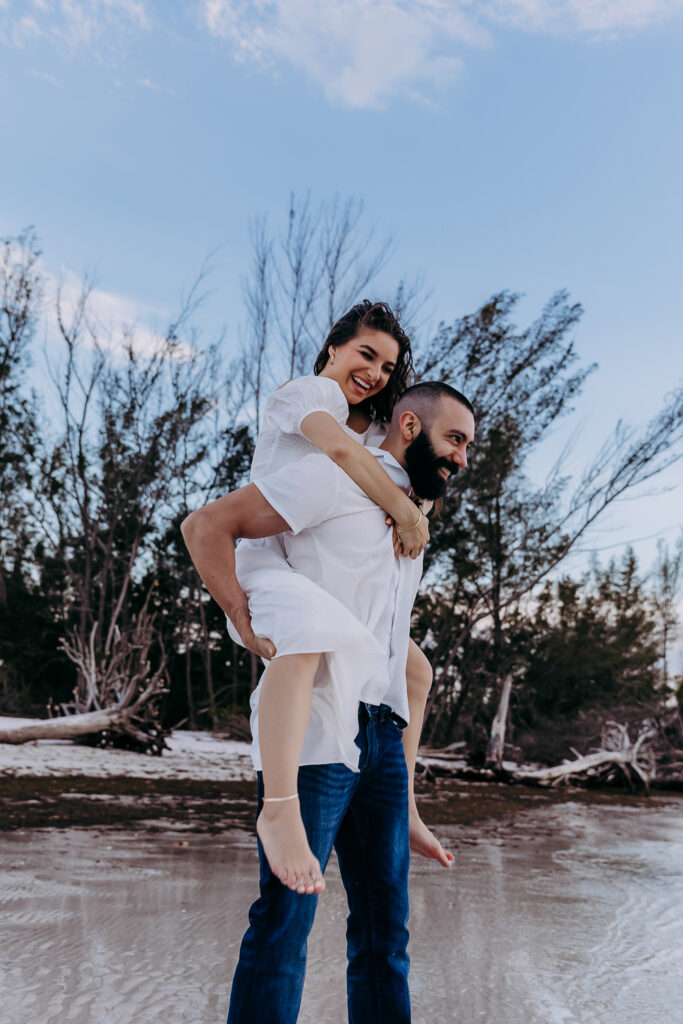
<point>521,144</point>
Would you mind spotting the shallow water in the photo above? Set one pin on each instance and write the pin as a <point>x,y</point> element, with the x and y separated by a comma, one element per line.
<point>568,914</point>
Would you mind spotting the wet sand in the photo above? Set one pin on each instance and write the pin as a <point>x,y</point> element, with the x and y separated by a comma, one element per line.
<point>556,912</point>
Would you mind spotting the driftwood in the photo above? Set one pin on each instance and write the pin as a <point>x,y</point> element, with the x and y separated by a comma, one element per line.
<point>68,727</point>
<point>617,753</point>
<point>115,699</point>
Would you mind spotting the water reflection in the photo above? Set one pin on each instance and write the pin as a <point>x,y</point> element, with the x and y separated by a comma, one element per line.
<point>565,915</point>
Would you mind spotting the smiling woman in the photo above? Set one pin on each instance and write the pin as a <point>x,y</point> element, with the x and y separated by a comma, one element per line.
<point>364,365</point>
<point>369,342</point>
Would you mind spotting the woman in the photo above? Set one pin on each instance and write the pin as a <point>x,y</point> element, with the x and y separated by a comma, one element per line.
<point>363,367</point>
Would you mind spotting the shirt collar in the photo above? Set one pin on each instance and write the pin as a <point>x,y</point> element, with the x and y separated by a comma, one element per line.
<point>393,468</point>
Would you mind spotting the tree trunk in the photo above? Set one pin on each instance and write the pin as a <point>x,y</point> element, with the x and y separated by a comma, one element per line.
<point>494,752</point>
<point>188,685</point>
<point>208,668</point>
<point>69,726</point>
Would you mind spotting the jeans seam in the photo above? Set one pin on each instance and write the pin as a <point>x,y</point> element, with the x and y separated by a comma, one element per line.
<point>370,915</point>
<point>252,979</point>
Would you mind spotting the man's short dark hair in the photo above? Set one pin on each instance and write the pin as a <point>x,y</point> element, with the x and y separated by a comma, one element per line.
<point>425,398</point>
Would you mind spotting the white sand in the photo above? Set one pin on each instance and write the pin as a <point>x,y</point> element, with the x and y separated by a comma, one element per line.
<point>191,755</point>
<point>568,915</point>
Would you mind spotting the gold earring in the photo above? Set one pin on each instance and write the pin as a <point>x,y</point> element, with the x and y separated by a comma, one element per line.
<point>332,358</point>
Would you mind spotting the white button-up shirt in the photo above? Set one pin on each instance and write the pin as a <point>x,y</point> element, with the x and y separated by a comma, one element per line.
<point>339,540</point>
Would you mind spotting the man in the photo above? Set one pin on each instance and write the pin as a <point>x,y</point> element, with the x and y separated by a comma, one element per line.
<point>337,536</point>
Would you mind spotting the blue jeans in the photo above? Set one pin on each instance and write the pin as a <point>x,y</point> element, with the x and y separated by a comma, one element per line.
<point>364,815</point>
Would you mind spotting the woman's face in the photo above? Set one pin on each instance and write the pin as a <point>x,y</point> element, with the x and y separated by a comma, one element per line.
<point>363,365</point>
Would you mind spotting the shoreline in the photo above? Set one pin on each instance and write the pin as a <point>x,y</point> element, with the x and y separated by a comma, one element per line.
<point>204,783</point>
<point>206,806</point>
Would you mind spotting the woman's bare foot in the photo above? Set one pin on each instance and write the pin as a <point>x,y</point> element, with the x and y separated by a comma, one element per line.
<point>283,836</point>
<point>425,843</point>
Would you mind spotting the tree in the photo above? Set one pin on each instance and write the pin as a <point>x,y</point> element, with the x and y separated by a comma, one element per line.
<point>20,300</point>
<point>667,578</point>
<point>133,433</point>
<point>301,281</point>
<point>192,625</point>
<point>500,537</point>
<point>593,644</point>
<point>27,640</point>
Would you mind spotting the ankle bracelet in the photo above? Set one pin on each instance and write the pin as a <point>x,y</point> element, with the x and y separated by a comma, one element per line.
<point>279,799</point>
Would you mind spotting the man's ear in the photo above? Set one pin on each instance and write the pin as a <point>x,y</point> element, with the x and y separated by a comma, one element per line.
<point>410,425</point>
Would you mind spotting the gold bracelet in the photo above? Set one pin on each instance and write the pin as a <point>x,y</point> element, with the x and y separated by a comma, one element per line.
<point>405,529</point>
<point>279,799</point>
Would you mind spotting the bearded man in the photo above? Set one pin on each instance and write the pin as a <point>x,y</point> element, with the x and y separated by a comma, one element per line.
<point>338,537</point>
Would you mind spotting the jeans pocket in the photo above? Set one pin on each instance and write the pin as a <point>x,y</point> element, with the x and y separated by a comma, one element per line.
<point>396,727</point>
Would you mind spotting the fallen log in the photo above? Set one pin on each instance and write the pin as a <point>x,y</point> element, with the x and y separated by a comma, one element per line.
<point>135,724</point>
<point>68,727</point>
<point>617,753</point>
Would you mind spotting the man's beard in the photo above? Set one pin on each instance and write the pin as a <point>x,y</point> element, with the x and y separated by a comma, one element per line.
<point>423,465</point>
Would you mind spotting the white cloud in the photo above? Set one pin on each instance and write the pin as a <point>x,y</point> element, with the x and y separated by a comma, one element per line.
<point>596,17</point>
<point>22,30</point>
<point>46,77</point>
<point>360,52</point>
<point>364,52</point>
<point>84,21</point>
<point>73,23</point>
<point>113,320</point>
<point>151,86</point>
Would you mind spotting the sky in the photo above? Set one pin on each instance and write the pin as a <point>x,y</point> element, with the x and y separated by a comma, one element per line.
<point>528,145</point>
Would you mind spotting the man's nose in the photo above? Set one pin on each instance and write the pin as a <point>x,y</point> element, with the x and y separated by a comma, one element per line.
<point>460,458</point>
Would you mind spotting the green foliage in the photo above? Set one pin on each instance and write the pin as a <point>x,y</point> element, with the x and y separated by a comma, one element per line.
<point>499,537</point>
<point>19,307</point>
<point>497,534</point>
<point>592,643</point>
<point>93,499</point>
<point>32,671</point>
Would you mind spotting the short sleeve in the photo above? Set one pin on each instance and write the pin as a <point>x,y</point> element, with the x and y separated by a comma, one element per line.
<point>294,401</point>
<point>305,493</point>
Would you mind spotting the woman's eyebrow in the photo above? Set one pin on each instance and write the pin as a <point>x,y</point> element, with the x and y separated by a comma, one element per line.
<point>387,362</point>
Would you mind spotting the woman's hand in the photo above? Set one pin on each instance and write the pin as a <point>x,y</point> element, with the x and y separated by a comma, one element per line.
<point>414,540</point>
<point>410,541</point>
<point>241,620</point>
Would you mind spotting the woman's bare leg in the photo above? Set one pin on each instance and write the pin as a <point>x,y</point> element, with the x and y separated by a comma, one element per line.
<point>419,680</point>
<point>283,713</point>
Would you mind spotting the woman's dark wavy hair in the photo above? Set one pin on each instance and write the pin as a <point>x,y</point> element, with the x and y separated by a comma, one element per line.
<point>377,316</point>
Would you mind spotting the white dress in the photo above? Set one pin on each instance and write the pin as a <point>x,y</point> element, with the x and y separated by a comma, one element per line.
<point>286,606</point>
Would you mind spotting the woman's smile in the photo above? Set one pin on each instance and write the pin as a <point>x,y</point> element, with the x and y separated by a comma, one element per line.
<point>363,387</point>
<point>369,352</point>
